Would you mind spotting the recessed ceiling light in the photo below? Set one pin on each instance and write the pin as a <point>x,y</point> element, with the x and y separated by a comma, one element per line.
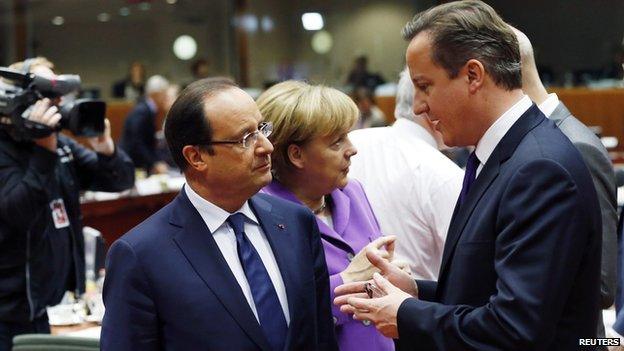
<point>171,2</point>
<point>124,11</point>
<point>145,6</point>
<point>185,47</point>
<point>103,17</point>
<point>312,21</point>
<point>58,20</point>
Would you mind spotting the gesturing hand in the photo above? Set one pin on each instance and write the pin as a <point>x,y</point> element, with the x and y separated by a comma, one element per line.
<point>360,267</point>
<point>381,311</point>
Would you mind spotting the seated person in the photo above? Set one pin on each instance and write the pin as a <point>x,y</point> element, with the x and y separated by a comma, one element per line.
<point>310,166</point>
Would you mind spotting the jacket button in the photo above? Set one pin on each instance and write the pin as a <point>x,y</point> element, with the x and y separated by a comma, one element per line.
<point>350,256</point>
<point>366,322</point>
<point>335,320</point>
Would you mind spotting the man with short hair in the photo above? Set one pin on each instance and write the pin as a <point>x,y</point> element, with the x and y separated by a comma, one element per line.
<point>220,267</point>
<point>411,186</point>
<point>595,156</point>
<point>139,133</point>
<point>521,262</point>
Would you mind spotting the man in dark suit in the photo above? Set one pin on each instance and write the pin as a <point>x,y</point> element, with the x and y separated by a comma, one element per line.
<point>521,263</point>
<point>595,156</point>
<point>138,139</point>
<point>220,267</point>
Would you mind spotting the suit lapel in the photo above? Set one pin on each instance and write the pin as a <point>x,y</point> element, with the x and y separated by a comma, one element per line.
<point>200,249</point>
<point>280,238</point>
<point>340,220</point>
<point>505,148</point>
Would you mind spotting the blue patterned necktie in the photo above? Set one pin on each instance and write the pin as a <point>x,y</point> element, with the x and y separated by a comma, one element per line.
<point>265,298</point>
<point>469,177</point>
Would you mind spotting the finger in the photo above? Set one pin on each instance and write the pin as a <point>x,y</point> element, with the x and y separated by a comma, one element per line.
<point>383,284</point>
<point>361,304</point>
<point>379,262</point>
<point>37,111</point>
<point>341,300</point>
<point>349,288</point>
<point>382,253</point>
<point>348,309</point>
<point>362,315</point>
<point>390,245</point>
<point>107,127</point>
<point>54,120</point>
<point>382,241</point>
<point>47,116</point>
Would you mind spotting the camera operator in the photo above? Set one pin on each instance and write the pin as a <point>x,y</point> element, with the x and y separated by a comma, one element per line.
<point>41,242</point>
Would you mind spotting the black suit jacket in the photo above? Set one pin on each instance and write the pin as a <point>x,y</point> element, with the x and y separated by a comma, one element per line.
<point>168,286</point>
<point>521,264</point>
<point>139,136</point>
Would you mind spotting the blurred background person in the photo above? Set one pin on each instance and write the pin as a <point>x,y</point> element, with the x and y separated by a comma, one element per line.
<point>370,114</point>
<point>132,86</point>
<point>595,156</point>
<point>411,186</point>
<point>139,133</point>
<point>361,77</point>
<point>310,167</point>
<point>41,241</point>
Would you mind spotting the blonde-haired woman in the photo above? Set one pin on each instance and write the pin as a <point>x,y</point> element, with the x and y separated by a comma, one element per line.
<point>310,166</point>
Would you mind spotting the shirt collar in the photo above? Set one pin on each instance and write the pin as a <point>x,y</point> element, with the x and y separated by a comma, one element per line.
<point>213,215</point>
<point>549,105</point>
<point>413,129</point>
<point>499,128</point>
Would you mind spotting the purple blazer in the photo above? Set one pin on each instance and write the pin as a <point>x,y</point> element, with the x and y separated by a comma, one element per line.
<point>355,226</point>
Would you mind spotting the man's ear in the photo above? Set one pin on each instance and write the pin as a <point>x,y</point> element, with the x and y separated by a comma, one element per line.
<point>193,156</point>
<point>475,71</point>
<point>295,155</point>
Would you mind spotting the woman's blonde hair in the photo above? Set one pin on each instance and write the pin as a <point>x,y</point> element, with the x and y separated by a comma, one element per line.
<point>300,112</point>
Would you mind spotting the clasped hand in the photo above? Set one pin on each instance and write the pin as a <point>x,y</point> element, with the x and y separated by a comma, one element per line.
<point>395,286</point>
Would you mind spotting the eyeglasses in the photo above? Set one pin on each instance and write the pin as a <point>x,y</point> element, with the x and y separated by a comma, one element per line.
<point>249,139</point>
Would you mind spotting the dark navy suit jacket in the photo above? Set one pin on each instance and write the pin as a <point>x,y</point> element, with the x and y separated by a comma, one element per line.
<point>521,264</point>
<point>168,286</point>
<point>139,136</point>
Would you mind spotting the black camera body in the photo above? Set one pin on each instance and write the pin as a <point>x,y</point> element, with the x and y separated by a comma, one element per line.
<point>83,117</point>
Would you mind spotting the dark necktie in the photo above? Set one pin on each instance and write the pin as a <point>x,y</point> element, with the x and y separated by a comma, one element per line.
<point>269,310</point>
<point>469,177</point>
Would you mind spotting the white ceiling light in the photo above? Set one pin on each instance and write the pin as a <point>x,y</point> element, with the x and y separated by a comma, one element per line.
<point>312,21</point>
<point>171,2</point>
<point>103,17</point>
<point>124,11</point>
<point>58,21</point>
<point>185,47</point>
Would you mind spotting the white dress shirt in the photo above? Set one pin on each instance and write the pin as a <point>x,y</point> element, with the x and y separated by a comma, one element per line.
<point>498,129</point>
<point>549,105</point>
<point>216,221</point>
<point>412,188</point>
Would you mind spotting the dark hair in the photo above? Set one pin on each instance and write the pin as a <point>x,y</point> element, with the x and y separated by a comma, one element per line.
<point>186,122</point>
<point>471,29</point>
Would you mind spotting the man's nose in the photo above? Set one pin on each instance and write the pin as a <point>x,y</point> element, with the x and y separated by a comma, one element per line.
<point>263,145</point>
<point>420,106</point>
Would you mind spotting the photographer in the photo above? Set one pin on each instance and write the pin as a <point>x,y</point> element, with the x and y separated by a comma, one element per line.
<point>41,243</point>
